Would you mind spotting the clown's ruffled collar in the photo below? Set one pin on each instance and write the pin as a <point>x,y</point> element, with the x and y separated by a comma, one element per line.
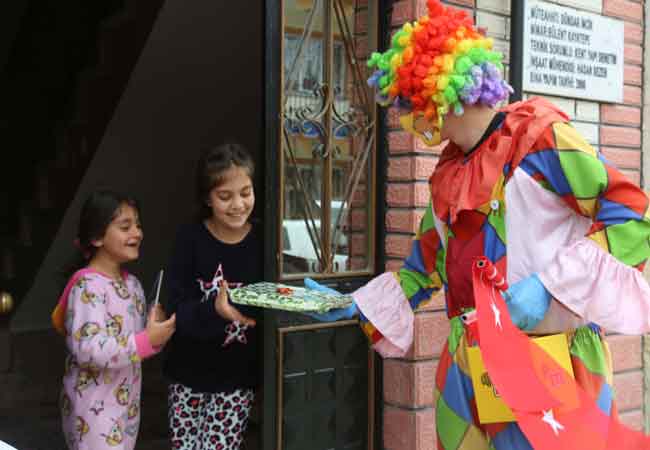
<point>460,183</point>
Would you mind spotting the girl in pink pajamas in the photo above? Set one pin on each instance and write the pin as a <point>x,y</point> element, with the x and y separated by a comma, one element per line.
<point>102,315</point>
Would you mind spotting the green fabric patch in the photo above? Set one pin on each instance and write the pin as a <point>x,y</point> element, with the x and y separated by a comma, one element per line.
<point>498,221</point>
<point>441,266</point>
<point>455,333</point>
<point>427,221</point>
<point>412,281</point>
<point>454,426</point>
<point>586,175</point>
<point>546,185</point>
<point>587,347</point>
<point>624,242</point>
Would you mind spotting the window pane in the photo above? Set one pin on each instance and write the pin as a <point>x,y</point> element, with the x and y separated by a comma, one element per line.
<point>328,139</point>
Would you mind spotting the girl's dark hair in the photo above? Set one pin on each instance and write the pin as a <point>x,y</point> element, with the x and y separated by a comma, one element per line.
<point>97,213</point>
<point>211,167</point>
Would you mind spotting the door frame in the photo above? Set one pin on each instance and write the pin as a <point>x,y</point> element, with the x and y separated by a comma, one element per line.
<point>273,39</point>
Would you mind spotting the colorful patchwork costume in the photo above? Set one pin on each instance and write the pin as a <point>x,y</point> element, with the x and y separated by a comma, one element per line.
<point>104,322</point>
<point>534,198</point>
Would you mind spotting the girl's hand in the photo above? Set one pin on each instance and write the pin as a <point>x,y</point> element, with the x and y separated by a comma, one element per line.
<point>158,313</point>
<point>223,307</point>
<point>158,331</point>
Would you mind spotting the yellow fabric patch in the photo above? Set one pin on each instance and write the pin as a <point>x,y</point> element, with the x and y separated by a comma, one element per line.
<point>460,356</point>
<point>568,138</point>
<point>491,408</point>
<point>474,439</point>
<point>587,206</point>
<point>600,238</point>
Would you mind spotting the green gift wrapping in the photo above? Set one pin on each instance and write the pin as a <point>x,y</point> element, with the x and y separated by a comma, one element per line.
<point>288,298</point>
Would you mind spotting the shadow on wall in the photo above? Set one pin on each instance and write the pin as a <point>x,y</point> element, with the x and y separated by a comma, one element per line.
<point>199,80</point>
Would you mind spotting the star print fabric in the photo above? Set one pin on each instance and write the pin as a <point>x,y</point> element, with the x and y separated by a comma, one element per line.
<point>100,400</point>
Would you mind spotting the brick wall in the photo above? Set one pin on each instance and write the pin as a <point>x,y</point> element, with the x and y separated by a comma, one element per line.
<point>409,416</point>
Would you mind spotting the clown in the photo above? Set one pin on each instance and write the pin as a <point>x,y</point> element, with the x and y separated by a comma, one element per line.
<point>520,187</point>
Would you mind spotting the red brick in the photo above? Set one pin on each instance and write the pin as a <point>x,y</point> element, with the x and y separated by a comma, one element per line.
<point>628,389</point>
<point>361,22</point>
<point>633,33</point>
<point>408,194</point>
<point>633,175</point>
<point>620,115</point>
<point>424,166</point>
<point>358,219</point>
<point>393,265</point>
<point>632,95</point>
<point>409,384</point>
<point>468,3</point>
<point>398,245</point>
<point>624,9</point>
<point>358,263</point>
<point>620,136</point>
<point>633,75</point>
<point>358,244</point>
<point>392,118</point>
<point>633,54</point>
<point>430,333</point>
<point>421,6</point>
<point>409,430</point>
<point>411,168</point>
<point>400,142</point>
<point>400,169</point>
<point>402,12</point>
<point>361,48</point>
<point>403,220</point>
<point>626,352</point>
<point>633,419</point>
<point>360,197</point>
<point>624,158</point>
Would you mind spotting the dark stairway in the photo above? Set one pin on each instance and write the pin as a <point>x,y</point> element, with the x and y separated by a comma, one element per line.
<point>63,77</point>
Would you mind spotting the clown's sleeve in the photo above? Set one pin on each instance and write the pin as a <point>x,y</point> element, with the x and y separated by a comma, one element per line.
<point>97,336</point>
<point>599,275</point>
<point>387,303</point>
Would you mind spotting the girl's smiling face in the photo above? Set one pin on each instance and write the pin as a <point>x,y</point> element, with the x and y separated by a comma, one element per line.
<point>233,199</point>
<point>121,242</point>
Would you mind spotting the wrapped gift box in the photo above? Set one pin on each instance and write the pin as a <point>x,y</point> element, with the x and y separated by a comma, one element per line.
<point>288,298</point>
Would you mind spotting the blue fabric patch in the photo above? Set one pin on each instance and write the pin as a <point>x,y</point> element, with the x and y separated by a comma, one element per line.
<point>511,438</point>
<point>494,248</point>
<point>612,213</point>
<point>415,261</point>
<point>605,399</point>
<point>459,392</point>
<point>420,296</point>
<point>547,163</point>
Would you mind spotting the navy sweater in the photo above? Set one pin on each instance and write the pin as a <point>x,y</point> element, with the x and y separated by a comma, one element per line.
<point>195,355</point>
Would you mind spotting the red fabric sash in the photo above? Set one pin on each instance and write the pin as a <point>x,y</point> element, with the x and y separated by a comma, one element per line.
<point>553,411</point>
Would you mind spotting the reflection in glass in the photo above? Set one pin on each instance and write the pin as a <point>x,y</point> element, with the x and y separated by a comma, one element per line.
<point>328,138</point>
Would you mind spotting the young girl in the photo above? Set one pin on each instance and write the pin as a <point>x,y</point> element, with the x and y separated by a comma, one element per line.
<point>101,313</point>
<point>211,361</point>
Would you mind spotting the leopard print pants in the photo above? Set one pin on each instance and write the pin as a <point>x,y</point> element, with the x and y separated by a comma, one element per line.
<point>208,421</point>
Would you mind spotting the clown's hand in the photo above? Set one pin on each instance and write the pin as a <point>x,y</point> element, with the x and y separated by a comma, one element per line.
<point>333,314</point>
<point>527,301</point>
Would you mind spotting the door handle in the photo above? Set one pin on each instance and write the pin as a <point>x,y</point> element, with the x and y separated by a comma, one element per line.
<point>6,303</point>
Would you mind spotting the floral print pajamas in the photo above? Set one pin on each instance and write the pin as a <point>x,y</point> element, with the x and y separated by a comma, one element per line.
<point>100,400</point>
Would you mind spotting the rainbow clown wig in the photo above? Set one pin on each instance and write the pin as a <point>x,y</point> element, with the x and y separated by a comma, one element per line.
<point>437,65</point>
